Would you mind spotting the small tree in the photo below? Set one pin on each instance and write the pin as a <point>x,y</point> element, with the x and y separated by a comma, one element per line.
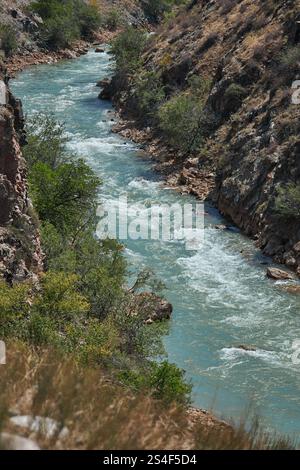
<point>149,93</point>
<point>287,202</point>
<point>128,48</point>
<point>182,120</point>
<point>113,19</point>
<point>46,141</point>
<point>8,40</point>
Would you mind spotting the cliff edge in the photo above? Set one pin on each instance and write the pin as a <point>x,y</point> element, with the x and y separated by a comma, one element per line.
<point>20,251</point>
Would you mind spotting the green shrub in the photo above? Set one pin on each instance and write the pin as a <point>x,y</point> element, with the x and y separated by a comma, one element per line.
<point>127,48</point>
<point>155,10</point>
<point>14,306</point>
<point>59,33</point>
<point>233,97</point>
<point>113,19</point>
<point>287,202</point>
<point>149,94</point>
<point>8,40</point>
<point>89,19</point>
<point>66,21</point>
<point>181,119</point>
<point>46,141</point>
<point>64,196</point>
<point>166,382</point>
<point>290,61</point>
<point>60,297</point>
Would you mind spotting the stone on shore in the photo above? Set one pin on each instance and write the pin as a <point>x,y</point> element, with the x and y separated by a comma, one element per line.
<point>14,442</point>
<point>279,274</point>
<point>46,426</point>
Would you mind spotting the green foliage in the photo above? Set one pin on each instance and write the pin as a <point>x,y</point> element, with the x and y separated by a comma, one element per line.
<point>93,342</point>
<point>289,63</point>
<point>149,93</point>
<point>168,382</point>
<point>147,278</point>
<point>155,10</point>
<point>80,305</point>
<point>233,97</point>
<point>14,306</point>
<point>113,19</point>
<point>165,380</point>
<point>66,21</point>
<point>287,202</point>
<point>60,297</point>
<point>89,19</point>
<point>127,48</point>
<point>65,196</point>
<point>46,141</point>
<point>8,40</point>
<point>59,32</point>
<point>181,119</point>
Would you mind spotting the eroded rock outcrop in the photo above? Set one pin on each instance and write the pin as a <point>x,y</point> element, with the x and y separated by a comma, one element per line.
<point>20,250</point>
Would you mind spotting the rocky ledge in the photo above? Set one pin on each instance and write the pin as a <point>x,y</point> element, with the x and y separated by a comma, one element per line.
<point>20,250</point>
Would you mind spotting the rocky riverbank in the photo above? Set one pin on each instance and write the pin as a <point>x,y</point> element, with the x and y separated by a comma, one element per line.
<point>248,165</point>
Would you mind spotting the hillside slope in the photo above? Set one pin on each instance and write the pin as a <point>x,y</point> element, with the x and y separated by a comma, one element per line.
<point>248,54</point>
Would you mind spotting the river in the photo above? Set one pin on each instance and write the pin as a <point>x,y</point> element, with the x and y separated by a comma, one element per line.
<point>220,293</point>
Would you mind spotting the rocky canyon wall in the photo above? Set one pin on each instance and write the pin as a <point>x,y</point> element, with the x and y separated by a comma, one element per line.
<point>20,251</point>
<point>249,52</point>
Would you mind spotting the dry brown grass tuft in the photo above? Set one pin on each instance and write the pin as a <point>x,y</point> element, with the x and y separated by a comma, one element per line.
<point>102,415</point>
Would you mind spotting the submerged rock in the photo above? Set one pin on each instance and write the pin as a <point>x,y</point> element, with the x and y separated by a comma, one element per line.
<point>245,347</point>
<point>221,227</point>
<point>278,274</point>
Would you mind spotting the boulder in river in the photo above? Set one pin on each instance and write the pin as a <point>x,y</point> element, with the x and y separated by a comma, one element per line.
<point>99,50</point>
<point>279,274</point>
<point>245,347</point>
<point>107,92</point>
<point>103,83</point>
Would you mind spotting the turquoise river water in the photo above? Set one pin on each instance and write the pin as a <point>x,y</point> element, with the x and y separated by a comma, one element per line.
<point>220,293</point>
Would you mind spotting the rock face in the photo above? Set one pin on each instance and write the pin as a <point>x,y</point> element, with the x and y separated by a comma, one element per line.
<point>20,251</point>
<point>152,307</point>
<point>249,51</point>
<point>107,91</point>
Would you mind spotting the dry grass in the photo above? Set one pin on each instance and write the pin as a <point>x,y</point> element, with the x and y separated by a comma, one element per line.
<point>102,415</point>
